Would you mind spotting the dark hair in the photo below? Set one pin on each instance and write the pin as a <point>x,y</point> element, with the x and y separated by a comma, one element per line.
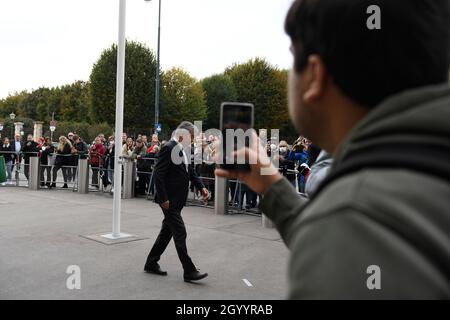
<point>410,50</point>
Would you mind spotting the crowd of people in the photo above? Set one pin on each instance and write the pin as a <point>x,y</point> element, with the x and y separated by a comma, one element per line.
<point>294,161</point>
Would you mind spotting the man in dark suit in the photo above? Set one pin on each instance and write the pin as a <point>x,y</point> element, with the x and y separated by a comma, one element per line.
<point>173,172</point>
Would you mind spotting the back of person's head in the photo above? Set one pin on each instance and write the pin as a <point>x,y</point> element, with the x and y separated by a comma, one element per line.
<point>410,50</point>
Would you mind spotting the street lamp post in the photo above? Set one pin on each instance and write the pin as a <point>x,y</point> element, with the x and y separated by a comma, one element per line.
<point>157,70</point>
<point>12,116</point>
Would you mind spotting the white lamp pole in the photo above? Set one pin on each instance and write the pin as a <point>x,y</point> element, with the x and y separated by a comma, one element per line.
<point>119,126</point>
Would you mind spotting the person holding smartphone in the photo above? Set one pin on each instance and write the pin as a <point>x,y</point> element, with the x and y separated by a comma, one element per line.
<point>378,227</point>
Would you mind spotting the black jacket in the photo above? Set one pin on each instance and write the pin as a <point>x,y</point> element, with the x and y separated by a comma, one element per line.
<point>172,180</point>
<point>62,157</point>
<point>46,153</point>
<point>82,149</point>
<point>5,152</point>
<point>30,149</point>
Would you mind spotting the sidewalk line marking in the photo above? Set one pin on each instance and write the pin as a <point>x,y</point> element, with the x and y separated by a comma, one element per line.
<point>248,283</point>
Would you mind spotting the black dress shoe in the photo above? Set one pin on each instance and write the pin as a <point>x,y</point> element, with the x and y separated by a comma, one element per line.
<point>156,269</point>
<point>194,276</point>
<point>65,186</point>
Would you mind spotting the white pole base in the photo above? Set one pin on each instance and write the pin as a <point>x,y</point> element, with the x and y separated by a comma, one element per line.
<point>111,236</point>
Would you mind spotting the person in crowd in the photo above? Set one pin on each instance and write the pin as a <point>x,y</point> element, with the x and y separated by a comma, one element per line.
<point>80,148</point>
<point>124,138</point>
<point>46,152</point>
<point>154,143</point>
<point>62,160</point>
<point>103,139</point>
<point>71,172</point>
<point>17,147</point>
<point>151,157</point>
<point>127,149</point>
<point>299,154</point>
<point>139,153</point>
<point>318,173</point>
<point>172,176</point>
<point>144,141</point>
<point>6,150</point>
<point>30,149</point>
<point>108,178</point>
<point>378,226</point>
<point>96,154</point>
<point>286,165</point>
<point>205,164</point>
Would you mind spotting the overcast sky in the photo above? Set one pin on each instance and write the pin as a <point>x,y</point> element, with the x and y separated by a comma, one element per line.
<point>55,42</point>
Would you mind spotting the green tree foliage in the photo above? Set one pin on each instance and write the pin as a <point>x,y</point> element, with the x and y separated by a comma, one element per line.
<point>183,99</point>
<point>218,89</point>
<point>140,72</point>
<point>86,131</point>
<point>257,82</point>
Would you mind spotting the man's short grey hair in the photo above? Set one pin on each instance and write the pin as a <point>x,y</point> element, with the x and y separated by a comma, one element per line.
<point>185,125</point>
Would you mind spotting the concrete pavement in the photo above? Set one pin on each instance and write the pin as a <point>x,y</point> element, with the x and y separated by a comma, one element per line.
<point>41,235</point>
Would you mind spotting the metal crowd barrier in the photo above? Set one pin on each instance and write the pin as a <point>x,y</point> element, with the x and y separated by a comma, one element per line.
<point>227,199</point>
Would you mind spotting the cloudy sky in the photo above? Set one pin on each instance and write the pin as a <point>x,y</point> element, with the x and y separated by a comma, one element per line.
<point>55,42</point>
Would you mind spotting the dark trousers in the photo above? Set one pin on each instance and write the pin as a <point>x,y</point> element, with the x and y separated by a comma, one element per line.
<point>95,172</point>
<point>45,169</point>
<point>55,172</point>
<point>26,169</point>
<point>172,226</point>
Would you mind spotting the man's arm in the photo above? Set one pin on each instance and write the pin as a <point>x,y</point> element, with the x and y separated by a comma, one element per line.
<point>282,204</point>
<point>194,178</point>
<point>161,169</point>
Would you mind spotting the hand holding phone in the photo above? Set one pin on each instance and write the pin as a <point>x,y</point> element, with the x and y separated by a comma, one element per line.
<point>236,124</point>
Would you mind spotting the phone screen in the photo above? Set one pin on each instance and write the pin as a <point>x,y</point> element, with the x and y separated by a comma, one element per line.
<point>239,118</point>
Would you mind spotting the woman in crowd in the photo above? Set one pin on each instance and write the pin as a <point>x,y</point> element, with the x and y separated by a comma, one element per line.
<point>96,154</point>
<point>154,143</point>
<point>62,160</point>
<point>139,153</point>
<point>6,151</point>
<point>109,163</point>
<point>127,149</point>
<point>47,150</point>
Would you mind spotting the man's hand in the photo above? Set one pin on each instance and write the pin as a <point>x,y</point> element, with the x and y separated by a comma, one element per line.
<point>165,205</point>
<point>263,173</point>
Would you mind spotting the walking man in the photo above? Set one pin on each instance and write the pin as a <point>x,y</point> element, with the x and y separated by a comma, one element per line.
<point>173,172</point>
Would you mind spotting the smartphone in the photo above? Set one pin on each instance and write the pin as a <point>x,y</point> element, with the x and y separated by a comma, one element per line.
<point>238,118</point>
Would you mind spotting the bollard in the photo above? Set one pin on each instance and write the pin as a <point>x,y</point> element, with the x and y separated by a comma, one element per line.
<point>266,222</point>
<point>83,176</point>
<point>129,178</point>
<point>33,183</point>
<point>221,196</point>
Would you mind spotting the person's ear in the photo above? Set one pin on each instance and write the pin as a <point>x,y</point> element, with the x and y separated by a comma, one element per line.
<point>315,79</point>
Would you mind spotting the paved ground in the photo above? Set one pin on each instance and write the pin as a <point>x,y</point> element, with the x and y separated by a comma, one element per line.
<point>41,235</point>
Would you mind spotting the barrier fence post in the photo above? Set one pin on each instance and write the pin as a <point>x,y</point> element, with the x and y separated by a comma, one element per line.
<point>33,183</point>
<point>221,196</point>
<point>83,176</point>
<point>129,174</point>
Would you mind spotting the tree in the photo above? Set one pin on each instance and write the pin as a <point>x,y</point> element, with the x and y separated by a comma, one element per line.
<point>140,72</point>
<point>183,99</point>
<point>218,89</point>
<point>257,82</point>
<point>74,100</point>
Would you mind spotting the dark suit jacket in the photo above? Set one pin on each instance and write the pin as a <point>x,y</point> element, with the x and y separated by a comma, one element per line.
<point>172,180</point>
